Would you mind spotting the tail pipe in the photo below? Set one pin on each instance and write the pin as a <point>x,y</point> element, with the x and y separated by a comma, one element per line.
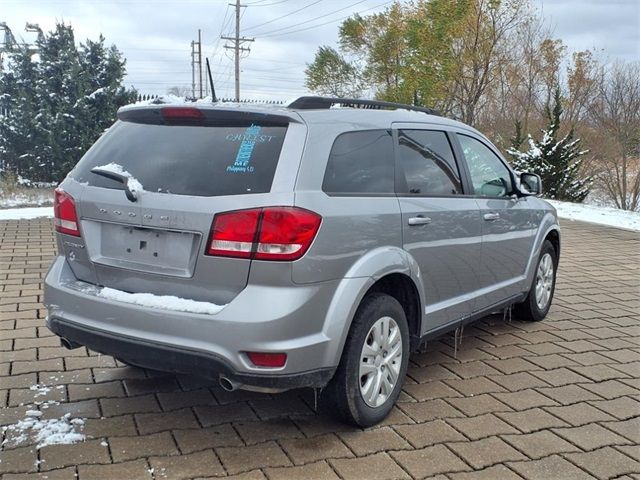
<point>69,344</point>
<point>229,385</point>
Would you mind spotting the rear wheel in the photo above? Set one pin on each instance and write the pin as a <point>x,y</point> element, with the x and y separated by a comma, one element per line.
<point>374,363</point>
<point>538,302</point>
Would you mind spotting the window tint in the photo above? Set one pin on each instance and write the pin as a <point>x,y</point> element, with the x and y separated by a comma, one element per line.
<point>360,162</point>
<point>188,160</point>
<point>489,176</point>
<point>428,164</point>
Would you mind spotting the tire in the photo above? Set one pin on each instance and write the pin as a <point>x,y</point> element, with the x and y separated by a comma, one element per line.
<point>530,309</point>
<point>368,403</point>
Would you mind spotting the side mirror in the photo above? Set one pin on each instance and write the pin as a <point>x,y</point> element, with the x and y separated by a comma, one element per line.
<point>530,184</point>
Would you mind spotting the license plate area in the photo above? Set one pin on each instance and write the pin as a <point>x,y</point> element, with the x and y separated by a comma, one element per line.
<point>143,249</point>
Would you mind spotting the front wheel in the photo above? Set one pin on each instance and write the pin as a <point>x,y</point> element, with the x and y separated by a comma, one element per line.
<point>374,363</point>
<point>538,302</point>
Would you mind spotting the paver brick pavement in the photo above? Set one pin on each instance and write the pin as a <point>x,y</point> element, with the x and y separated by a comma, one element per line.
<point>556,399</point>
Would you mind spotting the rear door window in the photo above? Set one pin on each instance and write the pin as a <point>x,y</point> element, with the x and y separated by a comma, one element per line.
<point>188,160</point>
<point>360,163</point>
<point>427,164</point>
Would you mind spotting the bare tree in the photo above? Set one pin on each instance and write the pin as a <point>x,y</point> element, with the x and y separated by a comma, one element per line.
<point>480,51</point>
<point>615,112</point>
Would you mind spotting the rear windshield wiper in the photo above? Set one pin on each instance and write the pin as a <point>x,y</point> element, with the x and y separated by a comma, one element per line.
<point>122,177</point>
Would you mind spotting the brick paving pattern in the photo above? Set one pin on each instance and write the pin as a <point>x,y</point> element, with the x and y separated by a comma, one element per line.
<point>557,399</point>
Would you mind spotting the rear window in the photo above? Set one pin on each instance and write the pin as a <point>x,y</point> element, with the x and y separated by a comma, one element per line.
<point>188,160</point>
<point>360,163</point>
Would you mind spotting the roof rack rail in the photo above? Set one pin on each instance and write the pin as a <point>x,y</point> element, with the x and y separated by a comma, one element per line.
<point>311,102</point>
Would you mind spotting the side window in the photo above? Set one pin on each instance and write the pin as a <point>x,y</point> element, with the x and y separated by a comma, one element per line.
<point>360,162</point>
<point>426,159</point>
<point>489,176</point>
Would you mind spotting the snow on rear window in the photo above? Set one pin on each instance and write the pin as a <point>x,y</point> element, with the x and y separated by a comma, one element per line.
<point>187,160</point>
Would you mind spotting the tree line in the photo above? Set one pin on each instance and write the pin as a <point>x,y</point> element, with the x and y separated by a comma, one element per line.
<point>59,99</point>
<point>494,64</point>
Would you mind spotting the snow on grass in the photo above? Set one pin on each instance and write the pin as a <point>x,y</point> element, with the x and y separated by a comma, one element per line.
<point>30,199</point>
<point>608,216</point>
<point>165,302</point>
<point>54,431</point>
<point>26,213</point>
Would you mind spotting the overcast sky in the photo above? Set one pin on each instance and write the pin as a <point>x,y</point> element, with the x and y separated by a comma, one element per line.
<point>155,35</point>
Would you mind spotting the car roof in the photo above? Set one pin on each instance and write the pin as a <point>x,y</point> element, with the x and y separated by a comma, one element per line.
<point>358,117</point>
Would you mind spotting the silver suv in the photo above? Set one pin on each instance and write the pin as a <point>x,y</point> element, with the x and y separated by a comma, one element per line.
<point>299,246</point>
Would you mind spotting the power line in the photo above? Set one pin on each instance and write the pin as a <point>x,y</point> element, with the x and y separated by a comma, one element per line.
<point>283,16</point>
<point>311,19</point>
<point>237,47</point>
<point>259,3</point>
<point>275,34</point>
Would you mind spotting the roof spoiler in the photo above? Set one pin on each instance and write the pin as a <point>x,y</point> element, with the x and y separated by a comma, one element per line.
<point>321,103</point>
<point>191,114</point>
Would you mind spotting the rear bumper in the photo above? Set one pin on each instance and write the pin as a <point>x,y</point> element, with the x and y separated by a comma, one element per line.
<point>180,360</point>
<point>260,318</point>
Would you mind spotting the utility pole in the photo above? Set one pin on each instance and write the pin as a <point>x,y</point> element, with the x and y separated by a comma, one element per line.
<point>9,43</point>
<point>193,70</point>
<point>237,46</point>
<point>200,60</point>
<point>196,66</point>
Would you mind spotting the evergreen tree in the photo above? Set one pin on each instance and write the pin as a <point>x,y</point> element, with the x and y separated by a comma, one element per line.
<point>557,161</point>
<point>60,102</point>
<point>17,130</point>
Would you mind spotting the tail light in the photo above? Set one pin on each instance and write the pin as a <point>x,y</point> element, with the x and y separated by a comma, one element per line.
<point>64,213</point>
<point>268,360</point>
<point>182,115</point>
<point>233,233</point>
<point>271,233</point>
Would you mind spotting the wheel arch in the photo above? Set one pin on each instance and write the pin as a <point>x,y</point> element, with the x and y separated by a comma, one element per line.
<point>554,237</point>
<point>386,270</point>
<point>548,230</point>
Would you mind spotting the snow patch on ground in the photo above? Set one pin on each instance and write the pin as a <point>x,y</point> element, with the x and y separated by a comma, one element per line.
<point>165,302</point>
<point>608,216</point>
<point>54,431</point>
<point>41,389</point>
<point>26,213</point>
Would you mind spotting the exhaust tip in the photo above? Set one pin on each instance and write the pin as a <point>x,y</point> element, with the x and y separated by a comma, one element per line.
<point>68,344</point>
<point>227,384</point>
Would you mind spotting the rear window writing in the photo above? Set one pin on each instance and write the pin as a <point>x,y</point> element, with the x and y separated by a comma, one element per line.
<point>188,160</point>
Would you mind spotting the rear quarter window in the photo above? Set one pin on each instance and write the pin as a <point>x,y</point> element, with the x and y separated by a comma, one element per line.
<point>360,163</point>
<point>188,160</point>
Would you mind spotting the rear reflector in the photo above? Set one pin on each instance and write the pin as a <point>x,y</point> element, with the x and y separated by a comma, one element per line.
<point>64,213</point>
<point>271,233</point>
<point>270,360</point>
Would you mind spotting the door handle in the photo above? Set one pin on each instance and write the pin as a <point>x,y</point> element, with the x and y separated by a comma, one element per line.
<point>419,220</point>
<point>490,217</point>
